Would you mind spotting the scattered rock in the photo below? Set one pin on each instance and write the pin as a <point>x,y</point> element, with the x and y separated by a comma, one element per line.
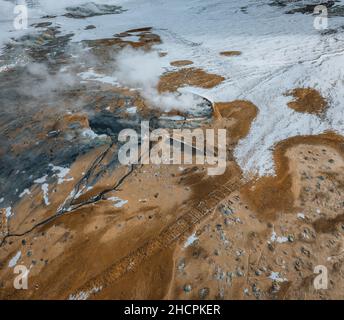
<point>203,293</point>
<point>187,288</point>
<point>90,26</point>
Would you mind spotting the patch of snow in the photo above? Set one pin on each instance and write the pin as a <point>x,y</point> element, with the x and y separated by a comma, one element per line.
<point>2,200</point>
<point>14,260</point>
<point>61,173</point>
<point>132,110</point>
<point>91,75</point>
<point>119,203</point>
<point>172,118</point>
<point>275,238</point>
<point>131,38</point>
<point>301,216</point>
<point>275,276</point>
<point>41,180</point>
<point>45,189</point>
<point>79,193</point>
<point>84,295</point>
<point>190,240</point>
<point>26,191</point>
<point>90,134</point>
<point>8,212</point>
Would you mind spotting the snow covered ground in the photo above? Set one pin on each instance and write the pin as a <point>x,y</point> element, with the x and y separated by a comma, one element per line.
<point>279,52</point>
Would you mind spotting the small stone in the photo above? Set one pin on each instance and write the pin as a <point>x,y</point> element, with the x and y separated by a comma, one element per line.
<point>226,210</point>
<point>271,247</point>
<point>227,221</point>
<point>255,289</point>
<point>203,293</point>
<point>53,134</point>
<point>187,288</point>
<point>306,252</point>
<point>297,265</point>
<point>239,273</point>
<point>258,273</point>
<point>181,265</point>
<point>221,294</point>
<point>275,287</point>
<point>229,275</point>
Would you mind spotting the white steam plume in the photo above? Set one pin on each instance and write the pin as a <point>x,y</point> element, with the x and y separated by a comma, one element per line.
<point>142,70</point>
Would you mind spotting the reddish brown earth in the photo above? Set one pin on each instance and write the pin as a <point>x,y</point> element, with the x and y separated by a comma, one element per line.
<point>181,63</point>
<point>171,81</point>
<point>307,100</point>
<point>230,53</point>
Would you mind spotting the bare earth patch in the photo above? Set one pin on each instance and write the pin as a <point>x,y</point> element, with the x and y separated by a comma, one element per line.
<point>181,63</point>
<point>241,112</point>
<point>270,195</point>
<point>137,38</point>
<point>230,53</point>
<point>307,100</point>
<point>171,81</point>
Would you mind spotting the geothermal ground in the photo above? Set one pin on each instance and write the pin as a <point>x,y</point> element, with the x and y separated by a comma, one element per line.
<point>86,226</point>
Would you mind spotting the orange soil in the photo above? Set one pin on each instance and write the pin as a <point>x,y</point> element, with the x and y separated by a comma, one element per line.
<point>69,119</point>
<point>147,39</point>
<point>171,81</point>
<point>230,53</point>
<point>307,100</point>
<point>181,63</point>
<point>242,112</point>
<point>269,195</point>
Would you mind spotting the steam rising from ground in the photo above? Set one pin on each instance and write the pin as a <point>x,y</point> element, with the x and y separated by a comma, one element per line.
<point>142,70</point>
<point>47,83</point>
